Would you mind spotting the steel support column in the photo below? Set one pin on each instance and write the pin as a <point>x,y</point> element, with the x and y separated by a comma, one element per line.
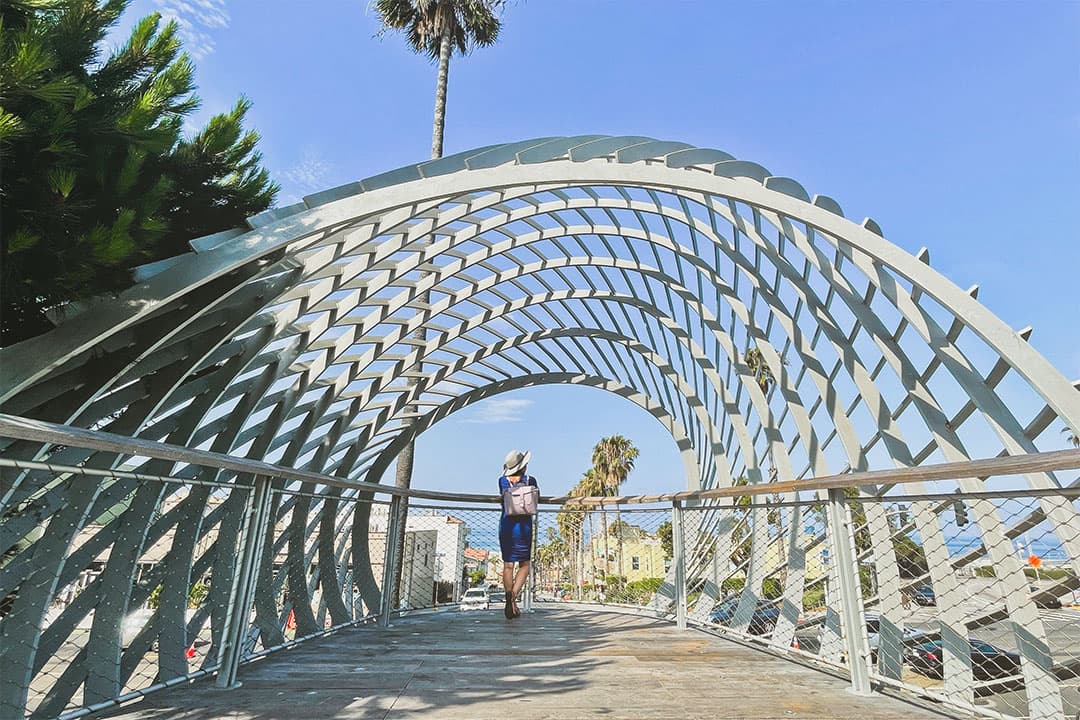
<point>855,641</point>
<point>394,528</point>
<point>530,583</point>
<point>241,597</point>
<point>678,541</point>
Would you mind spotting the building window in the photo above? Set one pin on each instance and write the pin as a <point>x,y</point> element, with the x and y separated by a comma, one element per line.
<point>635,562</point>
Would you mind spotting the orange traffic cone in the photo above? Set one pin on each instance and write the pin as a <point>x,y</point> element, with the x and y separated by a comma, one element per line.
<point>795,643</point>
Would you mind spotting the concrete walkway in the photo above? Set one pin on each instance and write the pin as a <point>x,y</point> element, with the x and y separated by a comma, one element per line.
<point>557,664</point>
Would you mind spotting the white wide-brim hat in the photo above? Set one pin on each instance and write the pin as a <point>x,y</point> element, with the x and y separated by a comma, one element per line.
<point>515,461</point>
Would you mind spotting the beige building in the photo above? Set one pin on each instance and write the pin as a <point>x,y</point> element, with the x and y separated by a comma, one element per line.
<point>642,556</point>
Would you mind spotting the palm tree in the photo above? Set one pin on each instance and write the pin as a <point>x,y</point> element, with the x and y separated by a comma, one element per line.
<point>438,28</point>
<point>763,374</point>
<point>435,28</point>
<point>570,528</point>
<point>1071,436</point>
<point>590,485</point>
<point>613,459</point>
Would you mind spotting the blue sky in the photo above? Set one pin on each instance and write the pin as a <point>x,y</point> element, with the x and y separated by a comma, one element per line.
<point>955,125</point>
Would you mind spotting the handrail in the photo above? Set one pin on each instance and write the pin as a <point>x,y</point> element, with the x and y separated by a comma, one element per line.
<point>20,428</point>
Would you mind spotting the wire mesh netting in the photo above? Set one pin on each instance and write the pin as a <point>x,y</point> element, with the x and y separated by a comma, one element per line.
<point>969,599</point>
<point>611,554</point>
<point>446,551</point>
<point>975,600</point>
<point>114,584</point>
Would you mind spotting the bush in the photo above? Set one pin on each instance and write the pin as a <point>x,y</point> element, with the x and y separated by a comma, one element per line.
<point>641,591</point>
<point>814,598</point>
<point>732,586</point>
<point>196,595</point>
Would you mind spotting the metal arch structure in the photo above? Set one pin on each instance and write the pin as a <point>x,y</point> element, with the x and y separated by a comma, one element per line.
<point>643,267</point>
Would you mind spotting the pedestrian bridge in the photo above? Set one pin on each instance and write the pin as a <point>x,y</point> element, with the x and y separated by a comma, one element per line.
<point>554,662</point>
<point>873,463</point>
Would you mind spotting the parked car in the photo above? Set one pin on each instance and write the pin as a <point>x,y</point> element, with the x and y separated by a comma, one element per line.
<point>924,595</point>
<point>763,620</point>
<point>988,662</point>
<point>873,636</point>
<point>476,599</point>
<point>1045,601</point>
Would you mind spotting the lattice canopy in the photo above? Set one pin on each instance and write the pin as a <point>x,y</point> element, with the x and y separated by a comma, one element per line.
<point>770,335</point>
<point>645,267</point>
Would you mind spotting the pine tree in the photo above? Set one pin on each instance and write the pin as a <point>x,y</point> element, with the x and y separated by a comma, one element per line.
<point>97,176</point>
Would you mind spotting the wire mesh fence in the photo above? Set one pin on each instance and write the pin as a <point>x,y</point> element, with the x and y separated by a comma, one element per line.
<point>114,584</point>
<point>969,599</point>
<point>974,599</point>
<point>612,555</point>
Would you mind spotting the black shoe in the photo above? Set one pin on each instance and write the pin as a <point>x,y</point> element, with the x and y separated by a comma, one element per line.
<point>508,607</point>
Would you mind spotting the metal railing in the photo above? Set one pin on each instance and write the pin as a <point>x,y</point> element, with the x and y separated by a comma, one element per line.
<point>951,581</point>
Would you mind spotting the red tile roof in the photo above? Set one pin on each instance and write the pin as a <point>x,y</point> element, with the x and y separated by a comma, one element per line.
<point>476,553</point>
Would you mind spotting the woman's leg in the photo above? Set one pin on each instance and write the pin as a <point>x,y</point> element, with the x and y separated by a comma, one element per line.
<point>519,579</point>
<point>508,577</point>
<point>508,586</point>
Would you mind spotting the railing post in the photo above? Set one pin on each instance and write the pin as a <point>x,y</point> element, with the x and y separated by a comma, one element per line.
<point>241,596</point>
<point>395,526</point>
<point>678,542</point>
<point>856,643</point>
<point>530,587</point>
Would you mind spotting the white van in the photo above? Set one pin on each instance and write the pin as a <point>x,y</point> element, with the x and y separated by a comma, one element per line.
<point>476,599</point>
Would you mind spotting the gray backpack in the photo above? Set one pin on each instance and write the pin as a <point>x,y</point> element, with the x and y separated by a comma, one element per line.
<point>520,499</point>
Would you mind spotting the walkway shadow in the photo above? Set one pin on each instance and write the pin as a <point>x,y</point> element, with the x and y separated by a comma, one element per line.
<point>555,663</point>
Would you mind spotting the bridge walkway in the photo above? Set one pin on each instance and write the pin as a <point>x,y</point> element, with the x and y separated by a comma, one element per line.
<point>554,663</point>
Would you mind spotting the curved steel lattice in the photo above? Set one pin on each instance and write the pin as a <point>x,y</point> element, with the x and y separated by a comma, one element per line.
<point>774,338</point>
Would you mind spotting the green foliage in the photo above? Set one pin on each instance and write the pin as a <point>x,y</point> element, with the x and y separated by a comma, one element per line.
<point>638,592</point>
<point>985,571</point>
<point>614,582</point>
<point>1049,573</point>
<point>763,374</point>
<point>771,589</point>
<point>196,595</point>
<point>476,577</point>
<point>910,557</point>
<point>731,586</point>
<point>468,23</point>
<point>664,532</point>
<point>154,601</point>
<point>98,177</point>
<point>814,597</point>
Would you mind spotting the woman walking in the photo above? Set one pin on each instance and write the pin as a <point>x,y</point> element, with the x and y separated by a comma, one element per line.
<point>515,530</point>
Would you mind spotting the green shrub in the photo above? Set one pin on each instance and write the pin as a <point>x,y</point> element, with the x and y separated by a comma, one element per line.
<point>732,586</point>
<point>814,598</point>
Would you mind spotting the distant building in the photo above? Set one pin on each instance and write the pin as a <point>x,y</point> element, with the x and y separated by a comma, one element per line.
<point>418,568</point>
<point>476,560</point>
<point>449,547</point>
<point>642,555</point>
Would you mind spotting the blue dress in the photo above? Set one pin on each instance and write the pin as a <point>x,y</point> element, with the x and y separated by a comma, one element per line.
<point>515,531</point>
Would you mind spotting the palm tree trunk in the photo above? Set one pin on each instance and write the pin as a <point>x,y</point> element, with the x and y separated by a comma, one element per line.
<point>603,529</point>
<point>619,525</point>
<point>440,99</point>
<point>403,477</point>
